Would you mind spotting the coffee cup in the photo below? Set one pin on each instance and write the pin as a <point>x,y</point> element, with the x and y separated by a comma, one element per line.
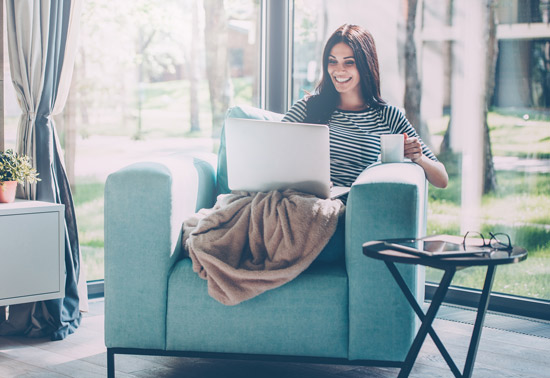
<point>392,148</point>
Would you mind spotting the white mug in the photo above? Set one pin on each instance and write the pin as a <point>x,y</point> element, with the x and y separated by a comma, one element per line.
<point>392,148</point>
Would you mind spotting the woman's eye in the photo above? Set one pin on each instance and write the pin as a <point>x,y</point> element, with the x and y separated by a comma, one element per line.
<point>331,61</point>
<point>349,63</point>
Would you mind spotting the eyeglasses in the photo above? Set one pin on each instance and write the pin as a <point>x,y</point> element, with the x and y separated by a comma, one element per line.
<point>498,241</point>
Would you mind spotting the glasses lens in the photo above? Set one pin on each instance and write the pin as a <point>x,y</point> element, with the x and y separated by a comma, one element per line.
<point>474,238</point>
<point>500,241</point>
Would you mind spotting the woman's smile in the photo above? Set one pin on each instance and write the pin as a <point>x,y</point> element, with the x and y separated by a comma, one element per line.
<point>342,79</point>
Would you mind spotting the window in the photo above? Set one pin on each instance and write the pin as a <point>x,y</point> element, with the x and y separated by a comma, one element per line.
<point>142,88</point>
<point>518,120</point>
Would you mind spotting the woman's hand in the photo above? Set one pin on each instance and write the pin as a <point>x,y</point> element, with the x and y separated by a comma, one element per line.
<point>435,170</point>
<point>413,148</point>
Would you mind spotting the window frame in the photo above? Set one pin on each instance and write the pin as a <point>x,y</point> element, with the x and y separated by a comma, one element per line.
<point>498,302</point>
<point>276,61</point>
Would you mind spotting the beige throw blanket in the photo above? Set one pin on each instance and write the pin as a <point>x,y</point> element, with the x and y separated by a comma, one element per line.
<point>249,243</point>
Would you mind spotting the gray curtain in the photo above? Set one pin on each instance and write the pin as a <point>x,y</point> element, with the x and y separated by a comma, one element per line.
<point>42,36</point>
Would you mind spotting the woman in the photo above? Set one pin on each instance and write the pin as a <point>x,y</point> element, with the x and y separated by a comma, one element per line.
<point>348,99</point>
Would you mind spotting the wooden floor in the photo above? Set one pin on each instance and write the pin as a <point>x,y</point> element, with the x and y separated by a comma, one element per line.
<point>502,353</point>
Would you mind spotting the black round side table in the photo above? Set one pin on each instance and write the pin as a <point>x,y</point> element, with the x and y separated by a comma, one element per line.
<point>450,265</point>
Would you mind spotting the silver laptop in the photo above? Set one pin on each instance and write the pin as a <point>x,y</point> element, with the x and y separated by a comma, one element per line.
<point>270,155</point>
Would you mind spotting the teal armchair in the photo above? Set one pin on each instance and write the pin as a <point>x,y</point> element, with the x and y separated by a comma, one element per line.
<point>345,308</point>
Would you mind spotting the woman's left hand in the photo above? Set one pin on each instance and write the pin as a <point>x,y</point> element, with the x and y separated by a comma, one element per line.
<point>413,149</point>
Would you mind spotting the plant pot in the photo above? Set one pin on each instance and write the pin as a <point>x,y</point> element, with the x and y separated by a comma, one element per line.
<point>7,191</point>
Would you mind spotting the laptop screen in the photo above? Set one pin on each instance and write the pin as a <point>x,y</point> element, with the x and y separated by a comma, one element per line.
<point>269,155</point>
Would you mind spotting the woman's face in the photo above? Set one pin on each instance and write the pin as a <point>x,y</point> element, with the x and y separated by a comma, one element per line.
<point>343,70</point>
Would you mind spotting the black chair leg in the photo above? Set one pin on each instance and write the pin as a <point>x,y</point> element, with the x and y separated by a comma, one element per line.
<point>110,363</point>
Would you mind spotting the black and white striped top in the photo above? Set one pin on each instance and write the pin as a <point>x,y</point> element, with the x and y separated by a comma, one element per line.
<point>355,137</point>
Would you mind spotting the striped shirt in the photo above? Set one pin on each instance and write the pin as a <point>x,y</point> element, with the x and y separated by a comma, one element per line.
<point>355,137</point>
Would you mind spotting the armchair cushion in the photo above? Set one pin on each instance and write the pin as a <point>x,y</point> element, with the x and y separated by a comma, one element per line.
<point>305,317</point>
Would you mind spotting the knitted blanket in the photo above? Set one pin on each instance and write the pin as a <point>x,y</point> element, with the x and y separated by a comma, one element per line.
<point>249,243</point>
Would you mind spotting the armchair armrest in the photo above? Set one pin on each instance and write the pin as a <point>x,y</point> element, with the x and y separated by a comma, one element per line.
<point>386,201</point>
<point>206,188</point>
<point>145,205</point>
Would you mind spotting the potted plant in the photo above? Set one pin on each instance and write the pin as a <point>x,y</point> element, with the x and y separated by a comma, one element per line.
<point>14,169</point>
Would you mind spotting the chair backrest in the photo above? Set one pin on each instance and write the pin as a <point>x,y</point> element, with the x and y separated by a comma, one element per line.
<point>247,112</point>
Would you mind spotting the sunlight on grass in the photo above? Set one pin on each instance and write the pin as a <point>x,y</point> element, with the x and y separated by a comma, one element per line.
<point>510,136</point>
<point>90,223</point>
<point>88,200</point>
<point>93,262</point>
<point>531,278</point>
<point>519,208</point>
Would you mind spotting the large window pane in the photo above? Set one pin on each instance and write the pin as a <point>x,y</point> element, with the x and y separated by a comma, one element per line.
<point>146,77</point>
<point>518,119</point>
<point>519,128</point>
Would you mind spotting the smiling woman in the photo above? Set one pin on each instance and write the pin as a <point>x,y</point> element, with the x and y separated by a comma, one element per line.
<point>348,99</point>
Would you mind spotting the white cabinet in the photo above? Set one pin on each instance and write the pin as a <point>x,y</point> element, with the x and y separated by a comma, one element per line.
<point>32,251</point>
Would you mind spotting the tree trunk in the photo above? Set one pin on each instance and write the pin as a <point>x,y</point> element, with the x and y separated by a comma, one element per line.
<point>445,147</point>
<point>83,95</point>
<point>491,43</point>
<point>217,62</point>
<point>191,64</point>
<point>143,43</point>
<point>413,91</point>
<point>489,174</point>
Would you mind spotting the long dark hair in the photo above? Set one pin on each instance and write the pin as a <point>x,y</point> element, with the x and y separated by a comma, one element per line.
<point>325,99</point>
